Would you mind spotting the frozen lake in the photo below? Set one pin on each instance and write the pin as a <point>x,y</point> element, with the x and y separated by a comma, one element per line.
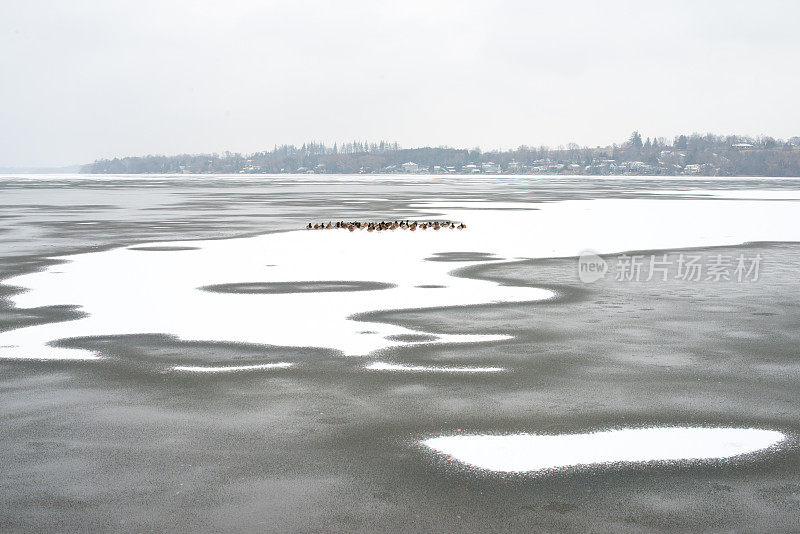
<point>186,342</point>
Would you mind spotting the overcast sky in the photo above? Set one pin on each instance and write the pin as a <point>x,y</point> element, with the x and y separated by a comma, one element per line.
<point>85,79</point>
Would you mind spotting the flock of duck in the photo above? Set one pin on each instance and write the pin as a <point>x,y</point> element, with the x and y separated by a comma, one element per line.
<point>379,226</point>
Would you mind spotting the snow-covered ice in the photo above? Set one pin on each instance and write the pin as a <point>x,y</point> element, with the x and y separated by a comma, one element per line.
<point>231,368</point>
<point>385,366</point>
<point>129,291</point>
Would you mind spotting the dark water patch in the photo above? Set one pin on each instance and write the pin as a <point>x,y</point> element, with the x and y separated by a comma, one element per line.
<point>163,249</point>
<point>410,338</point>
<point>330,286</point>
<point>12,318</point>
<point>463,256</point>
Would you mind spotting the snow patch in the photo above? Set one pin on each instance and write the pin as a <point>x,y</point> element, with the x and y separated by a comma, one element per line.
<point>522,453</point>
<point>231,368</point>
<point>384,366</point>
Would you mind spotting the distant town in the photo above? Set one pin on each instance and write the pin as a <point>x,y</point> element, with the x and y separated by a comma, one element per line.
<point>689,155</point>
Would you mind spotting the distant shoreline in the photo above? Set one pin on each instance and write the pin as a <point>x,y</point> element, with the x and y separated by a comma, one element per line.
<point>694,155</point>
<point>132,175</point>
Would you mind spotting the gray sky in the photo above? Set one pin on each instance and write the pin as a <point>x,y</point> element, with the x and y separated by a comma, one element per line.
<point>84,79</point>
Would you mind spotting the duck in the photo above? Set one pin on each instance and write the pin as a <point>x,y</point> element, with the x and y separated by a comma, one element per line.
<point>378,226</point>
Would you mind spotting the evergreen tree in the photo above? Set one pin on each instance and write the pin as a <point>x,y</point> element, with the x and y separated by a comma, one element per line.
<point>636,140</point>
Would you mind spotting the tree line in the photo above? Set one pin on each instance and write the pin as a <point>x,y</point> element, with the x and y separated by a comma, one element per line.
<point>709,154</point>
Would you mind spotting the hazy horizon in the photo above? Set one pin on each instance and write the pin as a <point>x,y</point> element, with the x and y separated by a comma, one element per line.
<point>83,81</point>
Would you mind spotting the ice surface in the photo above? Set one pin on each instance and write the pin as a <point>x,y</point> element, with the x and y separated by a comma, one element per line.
<point>733,194</point>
